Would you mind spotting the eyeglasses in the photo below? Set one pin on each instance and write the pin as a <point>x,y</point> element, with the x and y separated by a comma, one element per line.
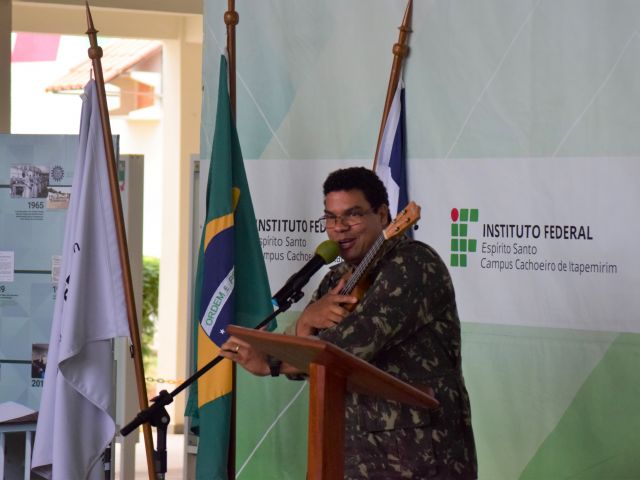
<point>349,219</point>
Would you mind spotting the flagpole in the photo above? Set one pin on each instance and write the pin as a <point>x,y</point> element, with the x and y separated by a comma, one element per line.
<point>231,19</point>
<point>400,51</point>
<point>95,54</point>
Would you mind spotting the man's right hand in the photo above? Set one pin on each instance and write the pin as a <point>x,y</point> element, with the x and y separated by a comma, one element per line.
<point>326,312</point>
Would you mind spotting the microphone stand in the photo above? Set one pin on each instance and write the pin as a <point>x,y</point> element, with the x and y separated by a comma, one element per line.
<point>156,414</point>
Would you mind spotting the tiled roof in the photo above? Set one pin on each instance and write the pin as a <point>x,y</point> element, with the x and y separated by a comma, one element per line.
<point>117,58</point>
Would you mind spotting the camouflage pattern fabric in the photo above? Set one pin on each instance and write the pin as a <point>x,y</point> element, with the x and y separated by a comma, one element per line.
<point>407,325</point>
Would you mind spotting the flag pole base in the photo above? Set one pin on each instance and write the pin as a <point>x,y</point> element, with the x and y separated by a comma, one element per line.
<point>160,419</point>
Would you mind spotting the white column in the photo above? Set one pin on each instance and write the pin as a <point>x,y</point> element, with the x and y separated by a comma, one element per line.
<point>127,401</point>
<point>181,97</point>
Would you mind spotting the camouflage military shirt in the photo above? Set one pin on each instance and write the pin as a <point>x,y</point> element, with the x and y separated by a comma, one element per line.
<point>407,325</point>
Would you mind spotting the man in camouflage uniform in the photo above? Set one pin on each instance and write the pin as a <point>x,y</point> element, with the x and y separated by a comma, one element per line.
<point>407,325</point>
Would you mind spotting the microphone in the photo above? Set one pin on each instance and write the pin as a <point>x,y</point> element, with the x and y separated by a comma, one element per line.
<point>325,253</point>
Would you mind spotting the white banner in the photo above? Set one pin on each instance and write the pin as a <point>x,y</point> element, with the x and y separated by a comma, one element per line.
<point>538,242</point>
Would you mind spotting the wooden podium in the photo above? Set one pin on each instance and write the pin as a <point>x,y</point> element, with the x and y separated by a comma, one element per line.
<point>332,373</point>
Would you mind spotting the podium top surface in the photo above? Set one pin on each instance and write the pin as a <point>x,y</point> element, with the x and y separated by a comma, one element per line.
<point>361,376</point>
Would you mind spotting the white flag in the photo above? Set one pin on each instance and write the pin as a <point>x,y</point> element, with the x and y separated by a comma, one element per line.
<point>75,422</point>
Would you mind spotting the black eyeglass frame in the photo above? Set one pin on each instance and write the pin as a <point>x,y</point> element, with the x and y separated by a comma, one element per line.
<point>349,219</point>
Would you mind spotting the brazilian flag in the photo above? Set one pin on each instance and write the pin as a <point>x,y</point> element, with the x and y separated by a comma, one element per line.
<point>231,287</point>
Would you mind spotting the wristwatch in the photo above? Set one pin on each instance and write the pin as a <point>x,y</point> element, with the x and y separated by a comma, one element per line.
<point>274,365</point>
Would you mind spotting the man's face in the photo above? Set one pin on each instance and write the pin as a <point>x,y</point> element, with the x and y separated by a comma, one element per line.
<point>351,206</point>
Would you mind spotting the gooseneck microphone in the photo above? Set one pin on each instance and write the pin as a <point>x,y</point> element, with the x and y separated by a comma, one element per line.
<point>325,253</point>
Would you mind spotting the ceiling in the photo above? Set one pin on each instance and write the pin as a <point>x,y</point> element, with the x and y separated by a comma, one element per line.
<point>169,6</point>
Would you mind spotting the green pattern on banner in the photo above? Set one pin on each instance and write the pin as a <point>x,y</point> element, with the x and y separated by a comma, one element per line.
<point>274,98</point>
<point>271,441</point>
<point>597,437</point>
<point>521,380</point>
<point>271,424</point>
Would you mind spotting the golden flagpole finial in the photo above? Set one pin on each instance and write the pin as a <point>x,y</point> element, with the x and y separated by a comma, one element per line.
<point>401,49</point>
<point>400,52</point>
<point>90,27</point>
<point>95,52</point>
<point>231,19</point>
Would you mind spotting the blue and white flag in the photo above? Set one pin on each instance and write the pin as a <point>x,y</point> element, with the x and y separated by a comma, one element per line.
<point>391,162</point>
<point>75,422</point>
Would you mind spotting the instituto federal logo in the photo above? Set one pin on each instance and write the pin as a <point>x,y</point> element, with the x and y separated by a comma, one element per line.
<point>461,245</point>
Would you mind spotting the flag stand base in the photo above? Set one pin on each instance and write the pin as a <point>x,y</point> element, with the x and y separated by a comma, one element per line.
<point>160,419</point>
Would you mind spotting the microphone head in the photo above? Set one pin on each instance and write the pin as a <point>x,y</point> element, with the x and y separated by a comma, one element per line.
<point>328,250</point>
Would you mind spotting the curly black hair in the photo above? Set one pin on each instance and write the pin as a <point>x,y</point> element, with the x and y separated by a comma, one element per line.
<point>358,178</point>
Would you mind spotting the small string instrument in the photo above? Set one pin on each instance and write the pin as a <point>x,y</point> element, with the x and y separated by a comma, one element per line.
<point>357,282</point>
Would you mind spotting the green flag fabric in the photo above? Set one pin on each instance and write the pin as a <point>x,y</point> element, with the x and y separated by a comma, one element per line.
<point>231,287</point>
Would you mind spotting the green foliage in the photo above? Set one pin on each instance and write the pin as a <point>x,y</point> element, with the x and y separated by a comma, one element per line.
<point>150,290</point>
